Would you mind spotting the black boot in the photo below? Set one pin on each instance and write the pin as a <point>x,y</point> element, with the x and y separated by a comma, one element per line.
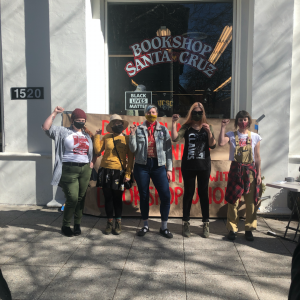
<point>232,235</point>
<point>249,236</point>
<point>77,230</point>
<point>67,231</point>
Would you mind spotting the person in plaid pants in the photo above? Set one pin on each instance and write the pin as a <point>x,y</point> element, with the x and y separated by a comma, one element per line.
<point>244,176</point>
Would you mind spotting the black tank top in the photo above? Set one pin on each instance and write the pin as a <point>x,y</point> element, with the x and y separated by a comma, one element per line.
<point>196,154</point>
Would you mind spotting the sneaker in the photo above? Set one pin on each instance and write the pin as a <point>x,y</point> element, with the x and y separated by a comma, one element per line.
<point>249,236</point>
<point>206,229</point>
<point>143,231</point>
<point>67,231</point>
<point>109,227</point>
<point>166,233</point>
<point>118,228</point>
<point>77,230</point>
<point>231,235</point>
<point>186,229</point>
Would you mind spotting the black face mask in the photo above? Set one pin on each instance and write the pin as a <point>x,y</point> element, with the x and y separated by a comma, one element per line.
<point>197,115</point>
<point>117,128</point>
<point>79,125</point>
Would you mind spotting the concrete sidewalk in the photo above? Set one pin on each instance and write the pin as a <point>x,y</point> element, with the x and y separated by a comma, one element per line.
<point>39,263</point>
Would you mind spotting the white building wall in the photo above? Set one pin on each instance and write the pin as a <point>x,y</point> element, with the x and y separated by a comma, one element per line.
<point>43,45</point>
<point>26,63</point>
<point>294,155</point>
<point>271,93</point>
<point>95,58</point>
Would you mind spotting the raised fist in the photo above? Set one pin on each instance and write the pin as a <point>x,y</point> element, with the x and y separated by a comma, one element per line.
<point>133,129</point>
<point>225,122</point>
<point>175,118</point>
<point>99,131</point>
<point>58,109</point>
<point>206,127</point>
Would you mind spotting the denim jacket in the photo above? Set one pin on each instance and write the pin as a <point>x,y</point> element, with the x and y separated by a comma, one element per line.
<point>138,144</point>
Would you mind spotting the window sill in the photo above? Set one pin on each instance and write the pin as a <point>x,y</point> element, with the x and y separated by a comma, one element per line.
<point>24,154</point>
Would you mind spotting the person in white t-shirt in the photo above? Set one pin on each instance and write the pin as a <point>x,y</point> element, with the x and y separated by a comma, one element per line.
<point>73,164</point>
<point>244,177</point>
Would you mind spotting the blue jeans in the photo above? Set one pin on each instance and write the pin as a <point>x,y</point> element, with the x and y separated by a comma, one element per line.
<point>142,175</point>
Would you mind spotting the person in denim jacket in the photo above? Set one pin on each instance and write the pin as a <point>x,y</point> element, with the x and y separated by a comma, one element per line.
<point>151,145</point>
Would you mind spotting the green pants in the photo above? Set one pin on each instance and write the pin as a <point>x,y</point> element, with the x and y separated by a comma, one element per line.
<point>74,182</point>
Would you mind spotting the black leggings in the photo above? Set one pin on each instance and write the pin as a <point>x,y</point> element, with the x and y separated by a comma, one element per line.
<point>113,202</point>
<point>189,178</point>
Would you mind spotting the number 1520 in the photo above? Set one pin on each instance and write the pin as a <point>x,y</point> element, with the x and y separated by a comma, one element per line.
<point>27,93</point>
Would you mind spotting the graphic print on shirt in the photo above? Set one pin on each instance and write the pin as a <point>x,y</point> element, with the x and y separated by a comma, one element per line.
<point>196,146</point>
<point>81,145</point>
<point>243,141</point>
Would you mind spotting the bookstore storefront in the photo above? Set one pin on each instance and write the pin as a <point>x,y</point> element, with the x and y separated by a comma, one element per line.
<point>180,52</point>
<point>110,57</point>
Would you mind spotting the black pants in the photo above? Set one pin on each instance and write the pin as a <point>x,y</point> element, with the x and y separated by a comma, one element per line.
<point>4,289</point>
<point>294,293</point>
<point>113,202</point>
<point>189,178</point>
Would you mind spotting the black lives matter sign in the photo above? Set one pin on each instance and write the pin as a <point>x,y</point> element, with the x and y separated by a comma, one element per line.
<point>137,100</point>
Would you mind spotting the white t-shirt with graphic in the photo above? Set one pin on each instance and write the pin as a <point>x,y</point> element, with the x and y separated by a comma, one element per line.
<point>255,138</point>
<point>76,148</point>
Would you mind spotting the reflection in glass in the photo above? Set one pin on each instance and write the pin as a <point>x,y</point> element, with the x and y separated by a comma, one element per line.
<point>175,85</point>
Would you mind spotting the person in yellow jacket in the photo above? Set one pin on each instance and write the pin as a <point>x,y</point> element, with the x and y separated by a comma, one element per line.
<point>116,147</point>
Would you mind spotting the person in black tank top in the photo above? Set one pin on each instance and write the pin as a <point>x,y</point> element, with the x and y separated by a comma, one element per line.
<point>196,162</point>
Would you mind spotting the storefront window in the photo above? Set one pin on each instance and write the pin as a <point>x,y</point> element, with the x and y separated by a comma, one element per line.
<point>172,54</point>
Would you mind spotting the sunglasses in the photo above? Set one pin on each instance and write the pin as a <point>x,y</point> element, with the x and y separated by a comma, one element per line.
<point>194,113</point>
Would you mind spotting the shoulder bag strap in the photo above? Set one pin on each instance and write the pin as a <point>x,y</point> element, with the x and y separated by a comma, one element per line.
<point>237,143</point>
<point>249,137</point>
<point>117,153</point>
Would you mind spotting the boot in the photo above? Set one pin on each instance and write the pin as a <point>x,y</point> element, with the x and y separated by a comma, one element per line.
<point>249,236</point>
<point>232,235</point>
<point>206,229</point>
<point>186,229</point>
<point>67,231</point>
<point>109,227</point>
<point>77,230</point>
<point>118,228</point>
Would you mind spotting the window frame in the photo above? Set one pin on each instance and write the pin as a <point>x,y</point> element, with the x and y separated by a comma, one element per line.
<point>236,93</point>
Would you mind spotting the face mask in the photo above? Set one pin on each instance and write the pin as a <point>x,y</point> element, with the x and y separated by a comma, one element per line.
<point>117,128</point>
<point>79,125</point>
<point>197,115</point>
<point>151,118</point>
<point>243,125</point>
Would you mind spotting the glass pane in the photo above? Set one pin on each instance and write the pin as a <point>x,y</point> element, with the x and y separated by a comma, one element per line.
<point>181,52</point>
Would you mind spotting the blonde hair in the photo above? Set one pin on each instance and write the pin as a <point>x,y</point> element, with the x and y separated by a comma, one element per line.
<point>189,114</point>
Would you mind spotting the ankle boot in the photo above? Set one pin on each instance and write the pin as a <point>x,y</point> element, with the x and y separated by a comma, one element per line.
<point>67,231</point>
<point>118,228</point>
<point>186,229</point>
<point>109,227</point>
<point>77,230</point>
<point>206,229</point>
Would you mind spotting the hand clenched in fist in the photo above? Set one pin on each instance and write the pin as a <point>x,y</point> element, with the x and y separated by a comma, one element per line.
<point>133,129</point>
<point>175,118</point>
<point>58,109</point>
<point>225,122</point>
<point>206,127</point>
